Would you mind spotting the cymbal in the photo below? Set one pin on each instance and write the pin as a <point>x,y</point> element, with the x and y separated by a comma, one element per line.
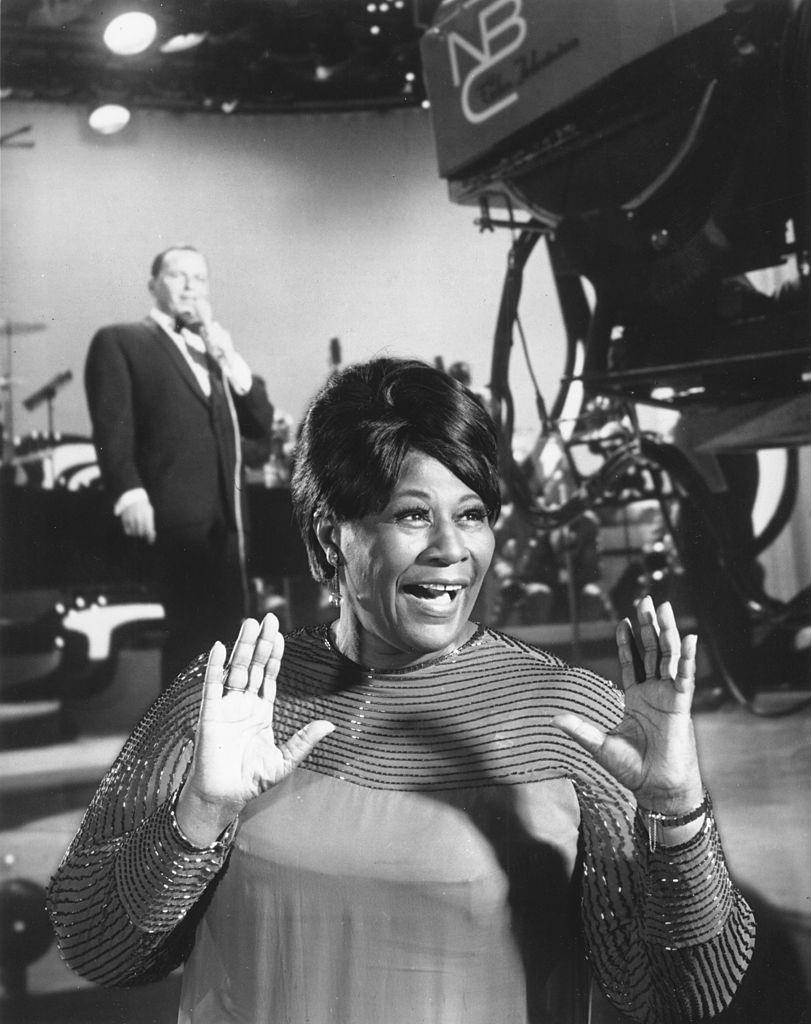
<point>19,327</point>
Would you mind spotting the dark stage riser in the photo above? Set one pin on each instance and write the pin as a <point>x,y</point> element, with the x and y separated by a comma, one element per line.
<point>57,538</point>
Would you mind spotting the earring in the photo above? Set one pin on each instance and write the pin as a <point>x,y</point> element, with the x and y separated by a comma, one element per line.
<point>334,583</point>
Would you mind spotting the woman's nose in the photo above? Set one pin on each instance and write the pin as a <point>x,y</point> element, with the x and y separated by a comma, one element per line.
<point>446,543</point>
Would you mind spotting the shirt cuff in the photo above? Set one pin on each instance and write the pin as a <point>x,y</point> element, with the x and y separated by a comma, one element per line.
<point>239,374</point>
<point>130,498</point>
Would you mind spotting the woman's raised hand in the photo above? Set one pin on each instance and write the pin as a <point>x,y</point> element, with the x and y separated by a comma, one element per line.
<point>236,756</point>
<point>652,749</point>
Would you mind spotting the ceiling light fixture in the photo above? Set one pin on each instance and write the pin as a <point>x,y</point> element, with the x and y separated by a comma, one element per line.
<point>130,33</point>
<point>109,118</point>
<point>179,44</point>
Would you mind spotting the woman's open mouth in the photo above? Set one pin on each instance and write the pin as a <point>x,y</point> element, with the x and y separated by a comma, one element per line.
<point>439,593</point>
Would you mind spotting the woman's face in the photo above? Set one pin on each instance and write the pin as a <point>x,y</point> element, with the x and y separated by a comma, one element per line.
<point>410,574</point>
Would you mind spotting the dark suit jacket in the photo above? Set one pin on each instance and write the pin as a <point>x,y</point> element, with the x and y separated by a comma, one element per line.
<point>154,428</point>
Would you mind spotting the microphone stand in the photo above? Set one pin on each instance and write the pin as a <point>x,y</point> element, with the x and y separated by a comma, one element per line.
<point>47,394</point>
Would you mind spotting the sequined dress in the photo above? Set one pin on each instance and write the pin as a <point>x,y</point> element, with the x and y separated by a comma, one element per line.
<point>424,866</point>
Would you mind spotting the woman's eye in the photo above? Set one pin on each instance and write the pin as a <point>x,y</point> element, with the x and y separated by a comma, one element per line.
<point>412,515</point>
<point>474,515</point>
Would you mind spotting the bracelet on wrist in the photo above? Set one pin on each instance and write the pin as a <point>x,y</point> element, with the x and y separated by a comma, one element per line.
<point>219,843</point>
<point>654,821</point>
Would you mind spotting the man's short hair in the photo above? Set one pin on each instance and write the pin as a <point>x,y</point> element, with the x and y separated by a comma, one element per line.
<point>157,263</point>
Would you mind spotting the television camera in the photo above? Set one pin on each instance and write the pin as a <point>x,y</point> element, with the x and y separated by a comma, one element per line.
<point>662,151</point>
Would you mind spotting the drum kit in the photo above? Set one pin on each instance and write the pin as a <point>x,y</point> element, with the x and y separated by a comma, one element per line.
<point>46,460</point>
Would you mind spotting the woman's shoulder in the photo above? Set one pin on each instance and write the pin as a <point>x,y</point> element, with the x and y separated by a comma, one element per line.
<point>309,666</point>
<point>308,649</point>
<point>567,687</point>
<point>309,638</point>
<point>506,645</point>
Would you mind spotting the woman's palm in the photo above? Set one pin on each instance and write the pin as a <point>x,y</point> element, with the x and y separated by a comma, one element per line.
<point>651,751</point>
<point>236,756</point>
<point>646,749</point>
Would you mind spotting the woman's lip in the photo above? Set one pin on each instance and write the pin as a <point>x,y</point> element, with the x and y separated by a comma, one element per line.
<point>432,607</point>
<point>438,584</point>
<point>442,604</point>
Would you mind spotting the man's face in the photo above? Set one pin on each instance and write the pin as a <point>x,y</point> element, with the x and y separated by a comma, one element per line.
<point>181,283</point>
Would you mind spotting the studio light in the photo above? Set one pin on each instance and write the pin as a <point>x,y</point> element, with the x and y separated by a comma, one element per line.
<point>178,44</point>
<point>109,118</point>
<point>130,33</point>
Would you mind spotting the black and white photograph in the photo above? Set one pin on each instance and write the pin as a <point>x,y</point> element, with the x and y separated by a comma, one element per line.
<point>405,512</point>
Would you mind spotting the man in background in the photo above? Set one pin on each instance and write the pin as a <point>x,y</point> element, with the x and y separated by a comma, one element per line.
<point>176,412</point>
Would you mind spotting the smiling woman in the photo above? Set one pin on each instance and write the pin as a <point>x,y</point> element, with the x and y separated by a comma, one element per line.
<point>407,817</point>
<point>411,573</point>
<point>398,509</point>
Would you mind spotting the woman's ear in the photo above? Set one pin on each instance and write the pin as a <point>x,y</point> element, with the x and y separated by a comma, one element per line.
<point>327,535</point>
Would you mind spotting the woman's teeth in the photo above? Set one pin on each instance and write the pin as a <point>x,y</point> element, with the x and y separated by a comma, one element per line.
<point>435,592</point>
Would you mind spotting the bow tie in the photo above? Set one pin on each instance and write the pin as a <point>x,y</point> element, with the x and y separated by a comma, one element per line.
<point>182,324</point>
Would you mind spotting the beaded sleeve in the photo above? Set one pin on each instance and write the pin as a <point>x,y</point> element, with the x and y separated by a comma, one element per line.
<point>126,897</point>
<point>669,936</point>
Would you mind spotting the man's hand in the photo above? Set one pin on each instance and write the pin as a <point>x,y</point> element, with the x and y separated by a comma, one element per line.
<point>138,520</point>
<point>219,344</point>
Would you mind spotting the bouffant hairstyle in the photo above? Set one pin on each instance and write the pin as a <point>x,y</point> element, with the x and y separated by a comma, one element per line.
<point>359,429</point>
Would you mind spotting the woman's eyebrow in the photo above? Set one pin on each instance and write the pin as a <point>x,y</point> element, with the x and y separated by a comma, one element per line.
<point>416,492</point>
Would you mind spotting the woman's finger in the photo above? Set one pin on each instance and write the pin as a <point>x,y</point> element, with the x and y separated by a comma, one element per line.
<point>214,669</point>
<point>649,634</point>
<point>262,651</point>
<point>631,667</point>
<point>240,660</point>
<point>272,666</point>
<point>685,680</point>
<point>302,742</point>
<point>212,681</point>
<point>669,642</point>
<point>587,735</point>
